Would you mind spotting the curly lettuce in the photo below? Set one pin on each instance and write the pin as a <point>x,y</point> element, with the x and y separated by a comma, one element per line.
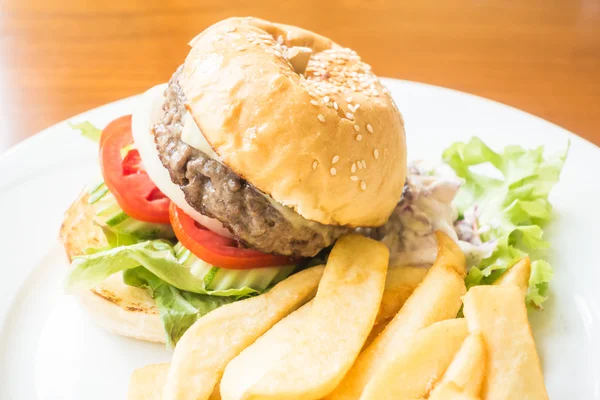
<point>178,309</point>
<point>510,209</point>
<point>87,130</point>
<point>157,256</point>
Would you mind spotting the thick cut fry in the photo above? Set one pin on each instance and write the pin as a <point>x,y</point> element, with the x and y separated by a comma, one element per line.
<point>449,254</point>
<point>411,373</point>
<point>437,298</point>
<point>517,275</point>
<point>377,329</point>
<point>468,366</point>
<point>399,285</point>
<point>513,368</point>
<point>207,347</point>
<point>256,360</point>
<point>354,279</point>
<point>147,383</point>
<point>238,376</point>
<point>450,391</point>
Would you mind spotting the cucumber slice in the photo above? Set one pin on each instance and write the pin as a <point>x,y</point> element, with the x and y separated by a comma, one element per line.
<point>110,216</point>
<point>216,278</point>
<point>116,219</point>
<point>97,192</point>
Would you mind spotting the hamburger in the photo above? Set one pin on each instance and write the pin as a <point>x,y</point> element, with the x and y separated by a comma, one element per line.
<point>266,145</point>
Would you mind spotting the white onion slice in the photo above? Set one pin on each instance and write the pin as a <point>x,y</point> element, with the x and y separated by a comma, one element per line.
<point>148,112</point>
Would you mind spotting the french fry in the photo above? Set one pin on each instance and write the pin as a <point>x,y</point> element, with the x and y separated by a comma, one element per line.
<point>324,349</point>
<point>377,329</point>
<point>468,367</point>
<point>256,360</point>
<point>517,275</point>
<point>399,285</point>
<point>207,346</point>
<point>450,255</point>
<point>450,391</point>
<point>513,368</point>
<point>411,372</point>
<point>147,383</point>
<point>437,298</point>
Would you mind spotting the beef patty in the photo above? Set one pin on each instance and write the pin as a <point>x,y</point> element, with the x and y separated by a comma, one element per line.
<point>214,190</point>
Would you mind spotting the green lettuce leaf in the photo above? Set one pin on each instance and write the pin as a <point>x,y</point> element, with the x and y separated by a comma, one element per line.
<point>510,207</point>
<point>178,309</point>
<point>87,130</point>
<point>157,256</point>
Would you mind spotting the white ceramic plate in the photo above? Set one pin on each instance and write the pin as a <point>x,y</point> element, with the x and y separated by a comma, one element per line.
<point>49,349</point>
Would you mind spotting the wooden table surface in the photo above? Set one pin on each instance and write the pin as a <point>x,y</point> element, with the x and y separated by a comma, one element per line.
<point>59,58</point>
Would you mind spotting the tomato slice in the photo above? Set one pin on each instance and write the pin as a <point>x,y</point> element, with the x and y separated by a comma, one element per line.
<point>126,178</point>
<point>218,250</point>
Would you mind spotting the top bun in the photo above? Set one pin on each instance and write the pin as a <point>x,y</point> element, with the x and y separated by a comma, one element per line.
<point>300,118</point>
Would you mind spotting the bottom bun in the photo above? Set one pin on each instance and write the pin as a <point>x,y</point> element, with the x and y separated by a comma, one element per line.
<point>115,306</point>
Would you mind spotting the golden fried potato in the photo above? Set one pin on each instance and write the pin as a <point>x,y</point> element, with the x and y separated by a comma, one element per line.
<point>450,391</point>
<point>207,347</point>
<point>413,370</point>
<point>437,298</point>
<point>256,360</point>
<point>513,369</point>
<point>399,285</point>
<point>147,383</point>
<point>468,366</point>
<point>517,275</point>
<point>335,331</point>
<point>377,329</point>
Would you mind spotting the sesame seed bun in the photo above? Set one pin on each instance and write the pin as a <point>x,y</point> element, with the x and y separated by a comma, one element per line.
<point>300,118</point>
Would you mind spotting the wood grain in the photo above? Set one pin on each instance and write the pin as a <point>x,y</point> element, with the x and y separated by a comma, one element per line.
<point>60,58</point>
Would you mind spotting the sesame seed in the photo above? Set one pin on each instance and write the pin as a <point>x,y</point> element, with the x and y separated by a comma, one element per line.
<point>321,117</point>
<point>353,168</point>
<point>358,137</point>
<point>314,102</point>
<point>376,154</point>
<point>369,128</point>
<point>335,159</point>
<point>332,171</point>
<point>326,99</point>
<point>364,164</point>
<point>356,106</point>
<point>363,185</point>
<point>354,178</point>
<point>315,163</point>
<point>280,39</point>
<point>349,99</point>
<point>349,115</point>
<point>356,128</point>
<point>335,105</point>
<point>359,164</point>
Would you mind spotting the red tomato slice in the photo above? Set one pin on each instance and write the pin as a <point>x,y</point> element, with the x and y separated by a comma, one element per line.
<point>126,178</point>
<point>216,249</point>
